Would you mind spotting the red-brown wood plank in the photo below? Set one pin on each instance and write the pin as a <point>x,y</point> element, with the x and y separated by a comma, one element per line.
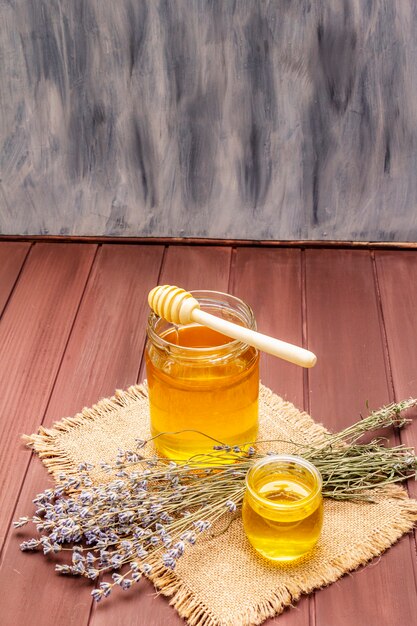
<point>106,346</point>
<point>195,267</point>
<point>12,257</point>
<point>103,353</point>
<point>33,334</point>
<point>397,283</point>
<point>344,323</point>
<point>191,268</point>
<point>397,279</point>
<point>270,281</point>
<point>342,316</point>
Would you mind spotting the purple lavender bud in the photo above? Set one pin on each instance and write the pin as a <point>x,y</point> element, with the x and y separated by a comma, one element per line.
<point>201,525</point>
<point>21,522</point>
<point>77,558</point>
<point>231,506</point>
<point>97,594</point>
<point>141,553</point>
<point>106,589</point>
<point>166,540</point>
<point>31,544</point>
<point>168,561</point>
<point>117,578</point>
<point>179,546</point>
<point>116,560</point>
<point>126,584</point>
<point>78,569</point>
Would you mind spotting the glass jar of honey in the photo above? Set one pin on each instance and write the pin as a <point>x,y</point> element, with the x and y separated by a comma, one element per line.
<point>202,382</point>
<point>283,507</point>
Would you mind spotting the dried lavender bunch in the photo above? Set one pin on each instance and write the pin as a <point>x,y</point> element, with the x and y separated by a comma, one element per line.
<point>153,508</point>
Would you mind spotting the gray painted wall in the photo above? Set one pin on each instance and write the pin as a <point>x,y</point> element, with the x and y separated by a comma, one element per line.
<point>285,119</point>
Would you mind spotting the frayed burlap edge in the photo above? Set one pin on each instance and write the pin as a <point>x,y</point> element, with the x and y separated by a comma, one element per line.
<point>183,599</point>
<point>197,614</point>
<point>45,441</point>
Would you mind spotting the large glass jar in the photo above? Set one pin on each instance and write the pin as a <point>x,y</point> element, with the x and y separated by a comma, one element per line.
<point>201,380</point>
<point>283,507</point>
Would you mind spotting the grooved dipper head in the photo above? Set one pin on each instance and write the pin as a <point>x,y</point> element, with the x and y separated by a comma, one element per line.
<point>172,303</point>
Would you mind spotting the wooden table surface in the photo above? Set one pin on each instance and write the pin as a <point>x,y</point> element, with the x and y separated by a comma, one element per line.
<point>72,330</point>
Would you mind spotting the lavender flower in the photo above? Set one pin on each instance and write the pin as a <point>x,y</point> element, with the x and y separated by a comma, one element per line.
<point>21,522</point>
<point>154,509</point>
<point>201,525</point>
<point>105,589</point>
<point>117,578</point>
<point>169,561</point>
<point>97,594</point>
<point>32,544</point>
<point>231,506</point>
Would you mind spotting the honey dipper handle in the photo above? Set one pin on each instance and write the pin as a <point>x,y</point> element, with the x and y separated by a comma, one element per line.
<point>281,349</point>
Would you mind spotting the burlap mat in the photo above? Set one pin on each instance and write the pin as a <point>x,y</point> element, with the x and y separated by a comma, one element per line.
<point>221,581</point>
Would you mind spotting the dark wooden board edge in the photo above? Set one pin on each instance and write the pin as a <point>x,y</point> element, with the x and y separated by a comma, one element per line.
<point>196,241</point>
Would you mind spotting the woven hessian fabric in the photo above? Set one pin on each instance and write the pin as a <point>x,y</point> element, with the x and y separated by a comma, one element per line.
<point>221,581</point>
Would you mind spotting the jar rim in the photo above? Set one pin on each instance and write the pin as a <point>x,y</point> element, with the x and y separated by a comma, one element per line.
<point>289,458</point>
<point>193,352</point>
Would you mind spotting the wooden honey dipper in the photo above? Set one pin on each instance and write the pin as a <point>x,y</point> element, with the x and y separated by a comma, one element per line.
<point>177,306</point>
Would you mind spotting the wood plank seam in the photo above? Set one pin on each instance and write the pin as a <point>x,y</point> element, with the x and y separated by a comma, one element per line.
<point>87,282</point>
<point>138,376</point>
<point>31,458</point>
<point>54,276</point>
<point>304,330</point>
<point>389,362</point>
<point>343,320</point>
<point>391,384</point>
<point>232,265</point>
<point>17,280</point>
<point>166,274</point>
<point>306,391</point>
<point>383,330</point>
<point>163,261</point>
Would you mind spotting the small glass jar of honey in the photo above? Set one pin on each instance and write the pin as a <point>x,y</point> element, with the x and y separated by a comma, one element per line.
<point>202,382</point>
<point>283,507</point>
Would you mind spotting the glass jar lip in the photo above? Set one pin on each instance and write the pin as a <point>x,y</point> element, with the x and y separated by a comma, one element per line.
<point>230,346</point>
<point>290,458</point>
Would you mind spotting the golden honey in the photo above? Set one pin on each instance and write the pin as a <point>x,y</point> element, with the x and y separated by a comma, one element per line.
<point>283,507</point>
<point>201,380</point>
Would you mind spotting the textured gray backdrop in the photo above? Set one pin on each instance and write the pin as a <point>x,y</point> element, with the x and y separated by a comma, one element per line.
<point>286,119</point>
